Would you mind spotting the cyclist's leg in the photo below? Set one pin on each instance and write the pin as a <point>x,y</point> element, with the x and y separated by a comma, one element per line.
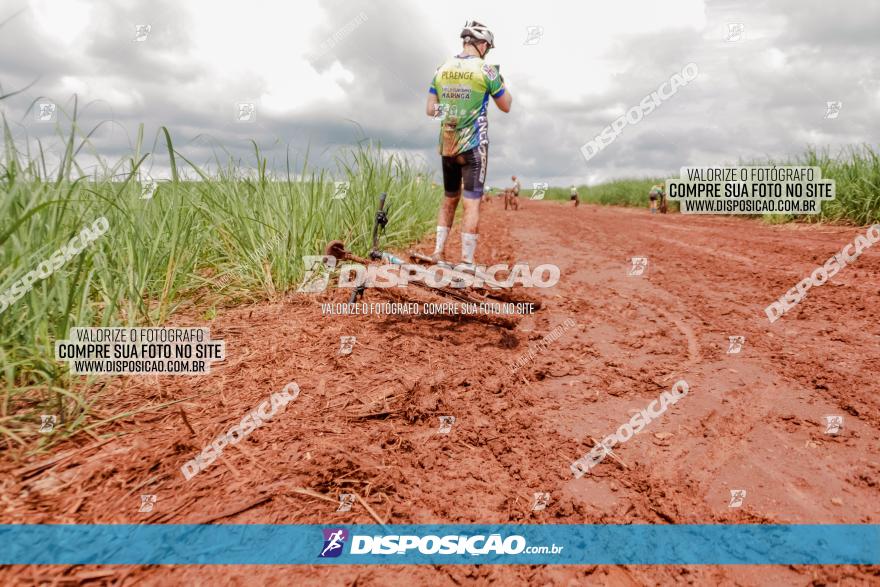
<point>474,177</point>
<point>452,193</point>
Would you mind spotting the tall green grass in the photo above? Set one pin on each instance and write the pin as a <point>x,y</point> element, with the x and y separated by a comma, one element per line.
<point>231,235</point>
<point>856,174</point>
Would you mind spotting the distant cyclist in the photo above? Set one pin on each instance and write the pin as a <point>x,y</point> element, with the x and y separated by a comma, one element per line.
<point>512,194</point>
<point>657,193</point>
<point>459,95</point>
<point>574,197</point>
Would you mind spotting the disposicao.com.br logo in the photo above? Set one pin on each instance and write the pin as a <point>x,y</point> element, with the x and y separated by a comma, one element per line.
<point>334,541</point>
<point>411,544</point>
<point>396,273</point>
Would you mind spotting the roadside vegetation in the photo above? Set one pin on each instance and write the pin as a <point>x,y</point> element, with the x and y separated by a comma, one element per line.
<point>219,237</point>
<point>855,170</point>
<point>856,173</point>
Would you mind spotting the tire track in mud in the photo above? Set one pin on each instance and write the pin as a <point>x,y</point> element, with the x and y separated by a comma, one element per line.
<point>756,411</point>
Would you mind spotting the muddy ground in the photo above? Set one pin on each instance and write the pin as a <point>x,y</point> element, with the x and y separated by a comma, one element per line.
<point>367,423</point>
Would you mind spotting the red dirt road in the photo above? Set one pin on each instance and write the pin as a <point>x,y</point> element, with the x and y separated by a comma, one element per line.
<point>367,423</point>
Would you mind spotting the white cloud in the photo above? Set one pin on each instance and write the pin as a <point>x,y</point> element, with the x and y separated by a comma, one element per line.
<point>61,24</point>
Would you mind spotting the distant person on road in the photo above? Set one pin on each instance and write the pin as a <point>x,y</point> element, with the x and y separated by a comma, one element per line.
<point>657,193</point>
<point>511,194</point>
<point>509,199</point>
<point>459,97</point>
<point>574,197</point>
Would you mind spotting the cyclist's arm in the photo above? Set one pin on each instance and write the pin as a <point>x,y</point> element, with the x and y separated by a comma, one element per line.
<point>433,103</point>
<point>497,88</point>
<point>504,101</point>
<point>433,98</point>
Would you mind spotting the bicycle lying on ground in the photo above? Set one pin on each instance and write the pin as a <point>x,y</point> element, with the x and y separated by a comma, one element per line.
<point>455,284</point>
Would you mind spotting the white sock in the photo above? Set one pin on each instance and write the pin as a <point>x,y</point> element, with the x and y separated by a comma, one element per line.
<point>442,233</point>
<point>468,247</point>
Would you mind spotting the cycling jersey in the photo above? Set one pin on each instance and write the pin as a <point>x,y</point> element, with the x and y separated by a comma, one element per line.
<point>463,85</point>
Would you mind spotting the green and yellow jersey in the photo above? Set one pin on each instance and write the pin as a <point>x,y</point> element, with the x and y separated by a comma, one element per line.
<point>463,85</point>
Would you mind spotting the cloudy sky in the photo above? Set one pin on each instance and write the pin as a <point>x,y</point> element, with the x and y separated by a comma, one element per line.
<point>330,73</point>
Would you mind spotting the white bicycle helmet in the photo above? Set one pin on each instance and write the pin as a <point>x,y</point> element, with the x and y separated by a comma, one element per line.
<point>476,31</point>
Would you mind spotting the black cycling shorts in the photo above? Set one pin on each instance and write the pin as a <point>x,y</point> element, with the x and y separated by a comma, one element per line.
<point>468,167</point>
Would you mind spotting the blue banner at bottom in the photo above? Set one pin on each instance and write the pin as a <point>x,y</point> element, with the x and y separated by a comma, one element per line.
<point>517,544</point>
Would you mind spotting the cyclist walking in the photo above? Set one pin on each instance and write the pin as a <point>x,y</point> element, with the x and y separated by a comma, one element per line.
<point>511,195</point>
<point>459,96</point>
